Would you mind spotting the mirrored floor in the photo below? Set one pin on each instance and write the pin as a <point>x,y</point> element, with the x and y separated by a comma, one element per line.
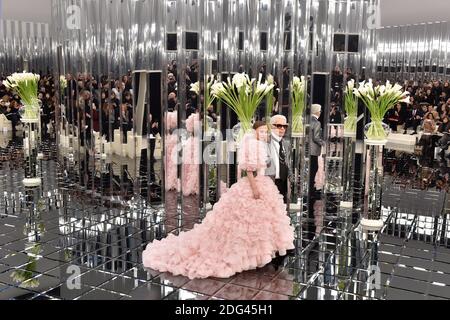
<point>58,243</point>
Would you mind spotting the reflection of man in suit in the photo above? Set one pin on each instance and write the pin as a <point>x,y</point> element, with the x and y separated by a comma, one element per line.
<point>316,144</point>
<point>279,153</point>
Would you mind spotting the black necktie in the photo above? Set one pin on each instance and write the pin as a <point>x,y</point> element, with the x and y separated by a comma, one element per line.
<point>282,153</point>
<point>284,171</point>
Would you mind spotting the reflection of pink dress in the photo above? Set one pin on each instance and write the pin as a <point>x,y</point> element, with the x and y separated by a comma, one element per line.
<point>191,158</point>
<point>239,234</point>
<point>320,175</point>
<point>318,216</point>
<point>171,142</point>
<point>336,132</point>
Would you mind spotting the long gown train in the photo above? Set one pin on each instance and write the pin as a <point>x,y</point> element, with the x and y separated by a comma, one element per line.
<point>239,234</point>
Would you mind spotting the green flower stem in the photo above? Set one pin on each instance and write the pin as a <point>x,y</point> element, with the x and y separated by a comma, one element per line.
<point>243,102</point>
<point>208,100</point>
<point>351,104</point>
<point>350,124</point>
<point>31,111</point>
<point>376,131</point>
<point>27,91</point>
<point>269,107</point>
<point>297,124</point>
<point>298,100</point>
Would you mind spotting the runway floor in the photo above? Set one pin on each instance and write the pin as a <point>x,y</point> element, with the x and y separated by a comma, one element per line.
<point>57,243</point>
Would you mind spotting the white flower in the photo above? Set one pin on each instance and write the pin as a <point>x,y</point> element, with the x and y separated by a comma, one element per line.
<point>357,93</point>
<point>261,88</point>
<point>397,87</point>
<point>217,89</point>
<point>195,87</point>
<point>270,79</point>
<point>298,84</point>
<point>362,84</point>
<point>9,85</point>
<point>351,85</point>
<point>23,77</point>
<point>211,81</point>
<point>406,100</point>
<point>362,90</point>
<point>240,80</point>
<point>63,82</point>
<point>388,85</point>
<point>25,85</point>
<point>406,93</point>
<point>368,87</point>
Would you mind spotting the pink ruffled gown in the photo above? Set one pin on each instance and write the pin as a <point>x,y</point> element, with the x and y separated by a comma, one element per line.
<point>239,234</point>
<point>320,175</point>
<point>170,159</point>
<point>191,158</point>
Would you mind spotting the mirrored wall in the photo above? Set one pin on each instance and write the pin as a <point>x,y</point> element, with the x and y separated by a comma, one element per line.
<point>342,41</point>
<point>114,68</point>
<point>25,46</point>
<point>414,52</point>
<point>139,128</point>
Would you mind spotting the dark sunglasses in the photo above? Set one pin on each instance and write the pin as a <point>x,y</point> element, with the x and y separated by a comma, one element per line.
<point>281,126</point>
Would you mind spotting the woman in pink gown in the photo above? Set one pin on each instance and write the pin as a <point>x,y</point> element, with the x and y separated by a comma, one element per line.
<point>190,175</point>
<point>170,157</point>
<point>244,231</point>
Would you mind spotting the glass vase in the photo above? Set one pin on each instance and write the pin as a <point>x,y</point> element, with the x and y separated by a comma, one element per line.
<point>30,112</point>
<point>350,126</point>
<point>377,131</point>
<point>31,146</point>
<point>373,184</point>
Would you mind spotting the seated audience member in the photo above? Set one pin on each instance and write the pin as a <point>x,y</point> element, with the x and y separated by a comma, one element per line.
<point>433,112</point>
<point>443,111</point>
<point>429,125</point>
<point>444,126</point>
<point>396,117</point>
<point>414,119</point>
<point>426,142</point>
<point>12,114</point>
<point>444,142</point>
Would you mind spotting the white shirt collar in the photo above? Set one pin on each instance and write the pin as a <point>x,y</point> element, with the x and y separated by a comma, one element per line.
<point>276,137</point>
<point>315,116</point>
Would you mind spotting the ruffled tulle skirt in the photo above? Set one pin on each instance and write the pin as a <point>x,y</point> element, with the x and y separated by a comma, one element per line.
<point>239,234</point>
<point>171,179</point>
<point>191,169</point>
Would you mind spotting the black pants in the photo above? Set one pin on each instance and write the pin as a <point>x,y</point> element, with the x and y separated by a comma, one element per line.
<point>412,123</point>
<point>393,125</point>
<point>282,186</point>
<point>152,150</point>
<point>312,175</point>
<point>14,118</point>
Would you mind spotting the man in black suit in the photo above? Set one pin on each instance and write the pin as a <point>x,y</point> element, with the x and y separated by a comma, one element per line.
<point>414,119</point>
<point>316,144</point>
<point>280,155</point>
<point>280,166</point>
